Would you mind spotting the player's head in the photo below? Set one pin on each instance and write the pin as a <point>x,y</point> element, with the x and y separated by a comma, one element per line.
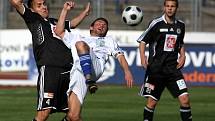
<point>99,27</point>
<point>39,6</point>
<point>176,1</point>
<point>170,7</point>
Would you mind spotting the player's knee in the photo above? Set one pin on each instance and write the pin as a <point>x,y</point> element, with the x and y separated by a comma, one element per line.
<point>42,115</point>
<point>184,100</point>
<point>81,45</point>
<point>41,118</point>
<point>151,103</point>
<point>74,117</point>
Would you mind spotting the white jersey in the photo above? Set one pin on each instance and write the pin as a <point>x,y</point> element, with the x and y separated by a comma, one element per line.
<point>100,49</point>
<point>70,38</point>
<point>103,47</point>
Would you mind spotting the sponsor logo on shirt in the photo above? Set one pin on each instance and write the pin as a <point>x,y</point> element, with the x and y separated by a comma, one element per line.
<point>163,30</point>
<point>170,42</point>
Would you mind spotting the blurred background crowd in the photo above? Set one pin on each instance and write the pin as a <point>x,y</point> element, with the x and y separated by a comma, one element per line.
<point>198,15</point>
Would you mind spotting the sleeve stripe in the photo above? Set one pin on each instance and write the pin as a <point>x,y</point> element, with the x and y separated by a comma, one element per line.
<point>152,24</point>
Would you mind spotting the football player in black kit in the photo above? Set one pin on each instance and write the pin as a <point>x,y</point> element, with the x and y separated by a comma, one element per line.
<point>165,38</point>
<point>53,58</point>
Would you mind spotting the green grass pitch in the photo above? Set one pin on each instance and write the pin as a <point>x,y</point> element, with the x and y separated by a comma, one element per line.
<point>110,103</point>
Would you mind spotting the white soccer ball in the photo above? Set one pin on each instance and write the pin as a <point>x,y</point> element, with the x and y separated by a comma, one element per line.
<point>132,15</point>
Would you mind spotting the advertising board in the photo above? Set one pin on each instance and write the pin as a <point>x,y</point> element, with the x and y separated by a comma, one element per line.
<point>16,55</point>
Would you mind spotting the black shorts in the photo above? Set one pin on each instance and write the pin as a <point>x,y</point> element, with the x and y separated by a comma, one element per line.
<point>155,84</point>
<point>52,84</point>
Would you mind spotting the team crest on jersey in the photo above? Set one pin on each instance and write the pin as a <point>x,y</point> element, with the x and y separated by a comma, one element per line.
<point>178,31</point>
<point>100,42</point>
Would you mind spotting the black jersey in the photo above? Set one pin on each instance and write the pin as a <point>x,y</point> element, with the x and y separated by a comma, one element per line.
<point>48,49</point>
<point>165,41</point>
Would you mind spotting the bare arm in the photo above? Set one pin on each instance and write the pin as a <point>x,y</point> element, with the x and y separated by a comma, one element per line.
<point>77,20</point>
<point>18,4</point>
<point>127,72</point>
<point>61,21</point>
<point>181,59</point>
<point>144,61</point>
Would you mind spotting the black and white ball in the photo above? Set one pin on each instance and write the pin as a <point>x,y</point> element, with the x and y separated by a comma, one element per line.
<point>132,15</point>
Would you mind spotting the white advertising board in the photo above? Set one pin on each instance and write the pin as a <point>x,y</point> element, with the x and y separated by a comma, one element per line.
<point>14,46</point>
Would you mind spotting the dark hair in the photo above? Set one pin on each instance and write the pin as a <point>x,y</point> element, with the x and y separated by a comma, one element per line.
<point>171,0</point>
<point>29,3</point>
<point>103,19</point>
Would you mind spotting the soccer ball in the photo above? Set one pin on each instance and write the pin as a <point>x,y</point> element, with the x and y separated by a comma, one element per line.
<point>132,15</point>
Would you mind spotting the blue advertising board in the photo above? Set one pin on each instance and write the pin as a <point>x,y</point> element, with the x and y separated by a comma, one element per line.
<point>199,68</point>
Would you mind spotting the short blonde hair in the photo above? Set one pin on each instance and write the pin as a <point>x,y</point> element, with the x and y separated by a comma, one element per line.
<point>171,0</point>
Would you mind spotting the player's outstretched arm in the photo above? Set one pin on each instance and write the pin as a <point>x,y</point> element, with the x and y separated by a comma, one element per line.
<point>77,20</point>
<point>128,75</point>
<point>61,21</point>
<point>18,4</point>
<point>144,61</point>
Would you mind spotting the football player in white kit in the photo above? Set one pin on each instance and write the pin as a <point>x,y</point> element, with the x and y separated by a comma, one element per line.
<point>90,55</point>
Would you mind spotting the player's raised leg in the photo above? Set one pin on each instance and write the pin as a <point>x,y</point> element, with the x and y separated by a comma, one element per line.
<point>83,51</point>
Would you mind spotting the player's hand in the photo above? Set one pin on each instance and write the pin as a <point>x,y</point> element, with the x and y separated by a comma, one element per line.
<point>181,61</point>
<point>92,87</point>
<point>69,5</point>
<point>87,9</point>
<point>144,62</point>
<point>129,79</point>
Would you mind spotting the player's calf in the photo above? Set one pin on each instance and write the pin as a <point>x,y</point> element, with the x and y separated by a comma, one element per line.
<point>148,114</point>
<point>185,113</point>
